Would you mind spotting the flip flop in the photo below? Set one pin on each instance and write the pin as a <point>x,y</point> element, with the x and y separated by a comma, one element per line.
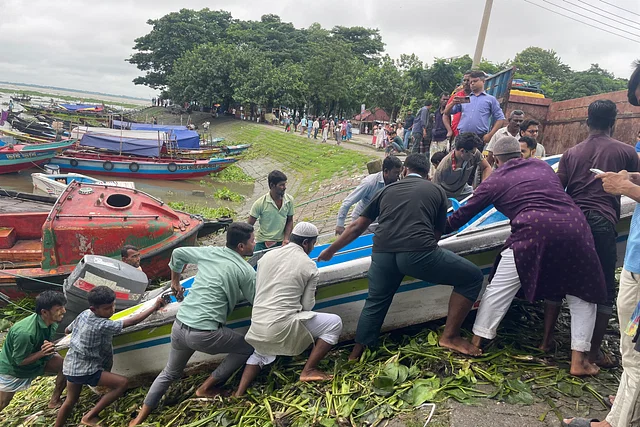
<point>607,361</point>
<point>580,422</point>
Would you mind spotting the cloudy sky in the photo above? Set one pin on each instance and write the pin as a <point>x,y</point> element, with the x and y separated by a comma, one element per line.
<point>82,44</point>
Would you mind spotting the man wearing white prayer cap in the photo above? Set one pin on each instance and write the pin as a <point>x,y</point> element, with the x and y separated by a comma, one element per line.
<point>282,323</point>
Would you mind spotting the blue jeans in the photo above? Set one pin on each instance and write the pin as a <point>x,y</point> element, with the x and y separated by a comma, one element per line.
<point>407,138</point>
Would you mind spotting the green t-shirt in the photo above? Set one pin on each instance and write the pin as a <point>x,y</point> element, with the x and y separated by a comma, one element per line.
<point>271,219</point>
<point>223,278</point>
<point>25,338</point>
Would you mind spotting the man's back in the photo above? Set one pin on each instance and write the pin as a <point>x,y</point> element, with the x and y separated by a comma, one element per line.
<point>282,277</point>
<point>600,152</point>
<point>409,213</point>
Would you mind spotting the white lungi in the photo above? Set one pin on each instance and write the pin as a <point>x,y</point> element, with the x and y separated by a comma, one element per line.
<point>502,290</point>
<point>325,326</point>
<point>626,408</point>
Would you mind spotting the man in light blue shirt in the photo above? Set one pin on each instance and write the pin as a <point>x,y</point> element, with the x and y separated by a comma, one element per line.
<point>362,195</point>
<point>478,110</point>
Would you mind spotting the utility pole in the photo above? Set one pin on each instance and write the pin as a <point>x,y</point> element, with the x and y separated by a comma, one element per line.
<point>477,56</point>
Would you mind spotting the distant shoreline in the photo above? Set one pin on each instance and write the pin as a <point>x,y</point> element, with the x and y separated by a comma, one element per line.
<point>74,92</point>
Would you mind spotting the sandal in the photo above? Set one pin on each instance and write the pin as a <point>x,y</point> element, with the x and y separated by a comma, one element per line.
<point>607,360</point>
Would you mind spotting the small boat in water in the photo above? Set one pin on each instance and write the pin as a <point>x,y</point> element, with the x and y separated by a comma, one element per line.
<point>205,153</point>
<point>55,184</point>
<point>94,219</point>
<point>17,157</point>
<point>99,163</point>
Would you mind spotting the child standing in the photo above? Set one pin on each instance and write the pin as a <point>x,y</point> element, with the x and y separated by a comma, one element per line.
<point>90,354</point>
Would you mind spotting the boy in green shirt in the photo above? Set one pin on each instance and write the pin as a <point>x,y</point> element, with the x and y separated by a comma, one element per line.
<point>28,351</point>
<point>274,212</point>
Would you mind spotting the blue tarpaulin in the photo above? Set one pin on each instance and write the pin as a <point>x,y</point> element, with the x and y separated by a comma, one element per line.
<point>135,146</point>
<point>186,139</point>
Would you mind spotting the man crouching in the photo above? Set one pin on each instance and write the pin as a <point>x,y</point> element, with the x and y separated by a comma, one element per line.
<point>282,323</point>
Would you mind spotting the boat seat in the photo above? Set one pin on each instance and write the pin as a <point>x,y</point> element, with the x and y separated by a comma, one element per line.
<point>22,250</point>
<point>7,237</point>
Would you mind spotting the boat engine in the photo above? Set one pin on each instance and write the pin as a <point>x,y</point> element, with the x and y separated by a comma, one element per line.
<point>128,283</point>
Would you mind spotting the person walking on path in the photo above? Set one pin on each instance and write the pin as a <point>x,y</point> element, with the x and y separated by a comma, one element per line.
<point>309,127</point>
<point>274,212</point>
<point>282,323</point>
<point>316,126</point>
<point>601,209</point>
<point>325,132</point>
<point>549,253</point>
<point>28,350</point>
<point>412,214</point>
<point>223,278</point>
<point>303,125</point>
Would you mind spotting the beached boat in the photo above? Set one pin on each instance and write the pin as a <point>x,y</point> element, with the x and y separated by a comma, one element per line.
<point>97,163</point>
<point>342,289</point>
<point>55,184</point>
<point>89,219</point>
<point>21,98</point>
<point>205,153</point>
<point>17,157</point>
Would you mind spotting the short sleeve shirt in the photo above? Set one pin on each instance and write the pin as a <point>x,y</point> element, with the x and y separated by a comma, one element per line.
<point>271,219</point>
<point>25,338</point>
<point>409,212</point>
<point>91,347</point>
<point>453,180</point>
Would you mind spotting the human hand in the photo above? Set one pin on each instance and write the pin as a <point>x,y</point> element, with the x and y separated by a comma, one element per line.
<point>178,290</point>
<point>486,138</point>
<point>457,100</point>
<point>615,183</point>
<point>47,349</point>
<point>285,242</point>
<point>325,255</point>
<point>339,230</point>
<point>449,134</point>
<point>159,303</point>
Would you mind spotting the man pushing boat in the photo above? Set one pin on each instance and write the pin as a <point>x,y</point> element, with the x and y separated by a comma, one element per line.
<point>282,323</point>
<point>412,215</point>
<point>550,253</point>
<point>223,278</point>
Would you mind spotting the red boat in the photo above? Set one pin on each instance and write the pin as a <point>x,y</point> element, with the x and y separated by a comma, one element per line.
<point>40,249</point>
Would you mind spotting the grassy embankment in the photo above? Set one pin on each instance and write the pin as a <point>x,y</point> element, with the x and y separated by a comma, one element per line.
<point>311,163</point>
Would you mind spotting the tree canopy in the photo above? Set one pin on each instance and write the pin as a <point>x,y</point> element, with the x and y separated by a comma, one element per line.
<point>209,57</point>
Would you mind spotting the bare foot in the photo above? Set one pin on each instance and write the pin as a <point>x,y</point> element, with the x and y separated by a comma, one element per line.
<point>584,369</point>
<point>314,375</point>
<point>357,351</point>
<point>460,345</point>
<point>545,347</point>
<point>477,341</point>
<point>92,422</point>
<point>54,404</point>
<point>211,392</point>
<point>134,422</point>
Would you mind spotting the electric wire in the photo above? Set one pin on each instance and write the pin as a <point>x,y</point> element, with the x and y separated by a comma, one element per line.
<point>606,17</point>
<point>621,8</point>
<point>589,17</point>
<point>582,22</point>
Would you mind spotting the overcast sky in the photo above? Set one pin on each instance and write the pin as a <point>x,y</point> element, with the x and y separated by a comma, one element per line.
<point>83,44</point>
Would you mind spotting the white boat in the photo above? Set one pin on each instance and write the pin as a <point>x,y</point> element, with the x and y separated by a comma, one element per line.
<point>144,348</point>
<point>55,184</point>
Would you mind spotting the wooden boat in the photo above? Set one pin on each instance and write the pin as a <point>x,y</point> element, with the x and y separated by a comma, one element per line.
<point>17,157</point>
<point>205,153</point>
<point>144,348</point>
<point>98,163</point>
<point>55,184</point>
<point>89,219</point>
<point>21,98</point>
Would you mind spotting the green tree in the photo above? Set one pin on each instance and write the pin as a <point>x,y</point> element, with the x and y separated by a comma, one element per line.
<point>593,81</point>
<point>383,86</point>
<point>172,36</point>
<point>365,43</point>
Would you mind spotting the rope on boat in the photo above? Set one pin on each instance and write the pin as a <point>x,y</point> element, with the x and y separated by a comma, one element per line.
<point>20,276</point>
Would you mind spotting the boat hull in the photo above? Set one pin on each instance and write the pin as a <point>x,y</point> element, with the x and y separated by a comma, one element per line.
<point>54,185</point>
<point>145,170</point>
<point>144,349</point>
<point>15,158</point>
